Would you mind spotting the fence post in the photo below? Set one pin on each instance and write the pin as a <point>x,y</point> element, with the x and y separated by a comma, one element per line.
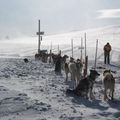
<point>86,60</point>
<point>85,44</point>
<point>72,46</point>
<point>86,67</point>
<point>81,48</point>
<point>96,54</point>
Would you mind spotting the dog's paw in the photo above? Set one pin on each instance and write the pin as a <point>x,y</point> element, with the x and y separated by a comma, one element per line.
<point>92,97</point>
<point>105,98</point>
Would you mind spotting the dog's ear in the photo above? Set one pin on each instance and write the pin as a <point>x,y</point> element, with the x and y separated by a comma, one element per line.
<point>98,74</point>
<point>94,72</point>
<point>106,71</point>
<point>91,70</point>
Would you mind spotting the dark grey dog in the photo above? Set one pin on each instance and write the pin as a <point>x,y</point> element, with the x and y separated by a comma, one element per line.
<point>85,85</point>
<point>26,60</point>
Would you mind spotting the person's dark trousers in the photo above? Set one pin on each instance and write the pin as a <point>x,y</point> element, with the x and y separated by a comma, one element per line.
<point>106,58</point>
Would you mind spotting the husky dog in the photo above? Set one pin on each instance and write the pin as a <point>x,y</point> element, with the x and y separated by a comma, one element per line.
<point>109,83</point>
<point>85,85</point>
<point>75,69</point>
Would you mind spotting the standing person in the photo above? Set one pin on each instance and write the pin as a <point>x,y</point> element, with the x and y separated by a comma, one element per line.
<point>107,49</point>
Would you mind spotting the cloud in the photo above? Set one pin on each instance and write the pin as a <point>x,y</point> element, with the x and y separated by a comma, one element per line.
<point>108,13</point>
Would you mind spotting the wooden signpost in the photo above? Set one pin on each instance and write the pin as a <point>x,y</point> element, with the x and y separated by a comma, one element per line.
<point>39,33</point>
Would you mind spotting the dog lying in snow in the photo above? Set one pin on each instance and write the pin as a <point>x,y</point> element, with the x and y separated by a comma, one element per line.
<point>26,60</point>
<point>109,83</point>
<point>85,85</point>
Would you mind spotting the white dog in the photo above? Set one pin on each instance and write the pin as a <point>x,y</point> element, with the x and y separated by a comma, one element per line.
<point>109,83</point>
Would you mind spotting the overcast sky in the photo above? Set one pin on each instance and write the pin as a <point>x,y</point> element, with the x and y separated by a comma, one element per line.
<point>20,17</point>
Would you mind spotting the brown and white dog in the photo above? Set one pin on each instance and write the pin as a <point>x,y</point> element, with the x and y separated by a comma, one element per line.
<point>108,83</point>
<point>85,86</point>
<point>75,69</point>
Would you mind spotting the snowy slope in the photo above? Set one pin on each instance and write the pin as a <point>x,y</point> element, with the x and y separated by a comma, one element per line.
<point>33,91</point>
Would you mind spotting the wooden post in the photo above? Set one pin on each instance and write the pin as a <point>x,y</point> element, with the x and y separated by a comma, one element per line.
<point>51,46</point>
<point>60,52</point>
<point>86,60</point>
<point>72,47</point>
<point>50,56</point>
<point>85,44</point>
<point>39,37</point>
<point>58,49</point>
<point>50,59</point>
<point>96,54</point>
<point>39,42</point>
<point>86,67</point>
<point>81,48</point>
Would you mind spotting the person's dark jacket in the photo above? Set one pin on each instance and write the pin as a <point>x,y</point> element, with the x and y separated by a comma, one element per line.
<point>107,48</point>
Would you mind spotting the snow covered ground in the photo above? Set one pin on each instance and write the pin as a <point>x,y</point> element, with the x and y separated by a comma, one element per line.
<point>32,91</point>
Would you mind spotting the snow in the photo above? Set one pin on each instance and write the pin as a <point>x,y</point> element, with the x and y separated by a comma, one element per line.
<point>32,91</point>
